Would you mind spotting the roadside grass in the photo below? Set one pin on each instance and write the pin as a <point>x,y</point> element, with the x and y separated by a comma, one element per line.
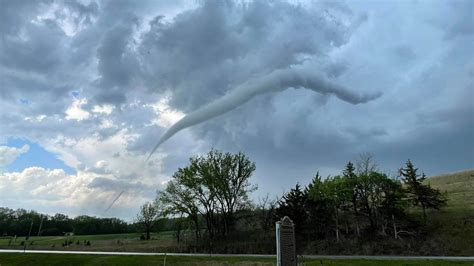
<point>70,259</point>
<point>108,242</point>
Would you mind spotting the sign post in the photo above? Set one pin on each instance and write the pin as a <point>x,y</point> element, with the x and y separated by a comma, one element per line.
<point>285,242</point>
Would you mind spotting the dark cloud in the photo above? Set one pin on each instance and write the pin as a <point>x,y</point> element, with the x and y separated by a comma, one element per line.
<point>116,65</point>
<point>206,52</point>
<point>114,184</point>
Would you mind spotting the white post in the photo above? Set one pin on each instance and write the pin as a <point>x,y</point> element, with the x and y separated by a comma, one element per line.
<point>278,246</point>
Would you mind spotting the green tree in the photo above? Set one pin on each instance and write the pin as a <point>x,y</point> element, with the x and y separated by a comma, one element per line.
<point>293,205</point>
<point>339,194</point>
<point>178,199</point>
<point>318,207</point>
<point>393,205</point>
<point>418,193</point>
<point>226,177</point>
<point>353,184</point>
<point>215,186</point>
<point>147,217</point>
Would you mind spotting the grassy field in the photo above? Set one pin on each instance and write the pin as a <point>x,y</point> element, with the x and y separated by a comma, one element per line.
<point>459,188</point>
<point>56,259</point>
<point>110,242</point>
<point>453,226</point>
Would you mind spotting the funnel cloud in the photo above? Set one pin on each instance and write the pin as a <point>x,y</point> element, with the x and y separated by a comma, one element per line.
<point>113,202</point>
<point>275,81</point>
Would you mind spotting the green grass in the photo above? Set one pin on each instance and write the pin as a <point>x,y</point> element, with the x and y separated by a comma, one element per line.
<point>109,242</point>
<point>459,188</point>
<point>49,240</point>
<point>453,226</point>
<point>68,259</point>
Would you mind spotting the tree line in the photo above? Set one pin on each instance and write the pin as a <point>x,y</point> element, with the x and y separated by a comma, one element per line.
<point>207,205</point>
<point>210,197</point>
<point>362,202</point>
<point>23,222</point>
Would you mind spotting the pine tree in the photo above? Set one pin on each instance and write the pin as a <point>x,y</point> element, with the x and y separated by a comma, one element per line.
<point>418,193</point>
<point>293,205</point>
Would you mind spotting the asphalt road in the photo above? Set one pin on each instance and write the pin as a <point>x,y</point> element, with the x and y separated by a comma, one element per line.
<point>457,258</point>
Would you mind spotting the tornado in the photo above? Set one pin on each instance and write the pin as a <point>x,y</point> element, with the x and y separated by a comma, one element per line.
<point>275,81</point>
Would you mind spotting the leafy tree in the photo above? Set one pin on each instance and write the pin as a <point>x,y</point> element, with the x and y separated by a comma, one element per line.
<point>215,186</point>
<point>318,207</point>
<point>353,184</point>
<point>418,193</point>
<point>229,179</point>
<point>177,199</point>
<point>339,194</point>
<point>393,205</point>
<point>147,217</point>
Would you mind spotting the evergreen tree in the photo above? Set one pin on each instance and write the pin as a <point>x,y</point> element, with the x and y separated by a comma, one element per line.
<point>292,204</point>
<point>418,193</point>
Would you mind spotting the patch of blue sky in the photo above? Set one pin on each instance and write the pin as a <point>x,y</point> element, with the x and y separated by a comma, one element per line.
<point>36,156</point>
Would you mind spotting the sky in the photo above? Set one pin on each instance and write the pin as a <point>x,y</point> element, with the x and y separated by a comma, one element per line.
<point>87,88</point>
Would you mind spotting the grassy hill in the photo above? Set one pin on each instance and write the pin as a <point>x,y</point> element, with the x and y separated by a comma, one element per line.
<point>459,187</point>
<point>453,226</point>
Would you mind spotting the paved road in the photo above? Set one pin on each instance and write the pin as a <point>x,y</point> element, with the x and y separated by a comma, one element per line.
<point>238,255</point>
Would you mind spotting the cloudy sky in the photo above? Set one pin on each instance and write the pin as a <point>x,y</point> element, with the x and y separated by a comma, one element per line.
<point>87,88</point>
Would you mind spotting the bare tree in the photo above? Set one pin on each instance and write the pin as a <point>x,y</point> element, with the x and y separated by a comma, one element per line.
<point>365,164</point>
<point>266,212</point>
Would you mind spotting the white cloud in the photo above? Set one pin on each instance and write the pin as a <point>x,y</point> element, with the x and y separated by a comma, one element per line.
<point>166,116</point>
<point>9,154</point>
<point>98,155</point>
<point>75,111</point>
<point>103,109</point>
<point>56,191</point>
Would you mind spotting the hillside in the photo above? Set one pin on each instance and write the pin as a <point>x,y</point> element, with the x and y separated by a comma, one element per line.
<point>459,187</point>
<point>453,227</point>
